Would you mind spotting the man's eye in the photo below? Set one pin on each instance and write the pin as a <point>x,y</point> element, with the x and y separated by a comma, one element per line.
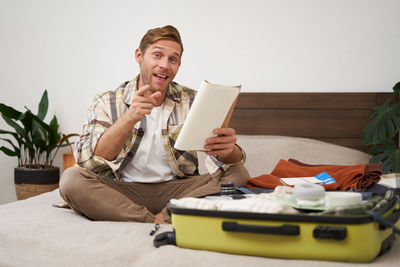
<point>157,55</point>
<point>173,60</point>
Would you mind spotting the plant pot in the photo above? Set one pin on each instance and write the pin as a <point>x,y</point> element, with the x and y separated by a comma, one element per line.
<point>31,182</point>
<point>68,160</point>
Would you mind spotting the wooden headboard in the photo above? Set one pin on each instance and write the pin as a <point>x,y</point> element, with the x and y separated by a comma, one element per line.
<point>337,118</point>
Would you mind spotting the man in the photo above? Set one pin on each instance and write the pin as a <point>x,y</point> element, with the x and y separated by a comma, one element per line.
<point>129,167</point>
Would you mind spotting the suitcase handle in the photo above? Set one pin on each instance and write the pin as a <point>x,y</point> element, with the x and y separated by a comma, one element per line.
<point>389,222</point>
<point>394,217</point>
<point>284,229</point>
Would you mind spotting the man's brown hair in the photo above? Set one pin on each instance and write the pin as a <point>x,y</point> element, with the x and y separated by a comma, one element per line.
<point>153,35</point>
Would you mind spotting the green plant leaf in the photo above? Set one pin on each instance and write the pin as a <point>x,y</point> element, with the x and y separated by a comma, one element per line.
<point>387,154</point>
<point>38,132</point>
<point>20,131</point>
<point>9,152</point>
<point>8,132</point>
<point>65,138</point>
<point>63,145</point>
<point>396,161</point>
<point>386,166</point>
<point>18,138</point>
<point>42,137</point>
<point>377,159</point>
<point>396,89</point>
<point>27,120</point>
<point>384,124</point>
<point>41,122</point>
<point>39,139</point>
<point>16,149</point>
<point>9,112</point>
<point>54,136</point>
<point>43,106</point>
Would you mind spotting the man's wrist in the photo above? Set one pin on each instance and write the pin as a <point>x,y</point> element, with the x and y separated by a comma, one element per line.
<point>131,117</point>
<point>234,157</point>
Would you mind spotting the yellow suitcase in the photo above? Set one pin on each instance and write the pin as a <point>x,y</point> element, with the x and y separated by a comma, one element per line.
<point>346,237</point>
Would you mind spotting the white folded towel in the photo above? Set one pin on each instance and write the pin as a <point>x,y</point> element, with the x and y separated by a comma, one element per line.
<point>251,204</point>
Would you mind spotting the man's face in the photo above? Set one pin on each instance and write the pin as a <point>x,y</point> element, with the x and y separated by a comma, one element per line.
<point>159,64</point>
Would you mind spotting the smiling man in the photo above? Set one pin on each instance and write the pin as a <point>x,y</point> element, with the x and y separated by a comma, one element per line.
<point>129,169</point>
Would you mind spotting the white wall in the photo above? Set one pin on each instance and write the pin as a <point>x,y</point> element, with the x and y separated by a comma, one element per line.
<point>77,48</point>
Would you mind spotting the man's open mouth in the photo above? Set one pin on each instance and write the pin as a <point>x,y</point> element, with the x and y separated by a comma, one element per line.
<point>161,76</point>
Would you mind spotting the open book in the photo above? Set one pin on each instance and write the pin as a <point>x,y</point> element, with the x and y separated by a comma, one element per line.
<point>212,108</point>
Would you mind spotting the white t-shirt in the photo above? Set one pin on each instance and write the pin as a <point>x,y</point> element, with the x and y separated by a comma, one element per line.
<point>149,165</point>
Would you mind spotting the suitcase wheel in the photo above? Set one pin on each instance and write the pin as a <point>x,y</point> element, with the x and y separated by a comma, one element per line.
<point>166,238</point>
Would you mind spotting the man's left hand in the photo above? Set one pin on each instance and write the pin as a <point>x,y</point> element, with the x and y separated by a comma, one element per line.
<point>222,145</point>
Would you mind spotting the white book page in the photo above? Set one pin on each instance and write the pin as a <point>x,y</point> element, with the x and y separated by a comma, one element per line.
<point>208,111</point>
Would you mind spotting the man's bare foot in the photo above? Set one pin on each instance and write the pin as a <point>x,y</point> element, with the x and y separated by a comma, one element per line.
<point>158,218</point>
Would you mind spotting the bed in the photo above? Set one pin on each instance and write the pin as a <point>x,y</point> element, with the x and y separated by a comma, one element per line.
<point>34,233</point>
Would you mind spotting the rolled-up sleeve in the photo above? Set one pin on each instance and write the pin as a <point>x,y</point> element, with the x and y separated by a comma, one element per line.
<point>98,121</point>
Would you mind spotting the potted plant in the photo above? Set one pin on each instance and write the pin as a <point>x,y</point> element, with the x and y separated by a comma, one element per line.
<point>382,134</point>
<point>35,143</point>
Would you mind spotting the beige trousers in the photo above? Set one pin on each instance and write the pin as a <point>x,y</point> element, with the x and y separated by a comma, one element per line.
<point>104,199</point>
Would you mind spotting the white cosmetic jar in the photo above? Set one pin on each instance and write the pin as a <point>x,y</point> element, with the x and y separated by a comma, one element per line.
<point>342,199</point>
<point>308,191</point>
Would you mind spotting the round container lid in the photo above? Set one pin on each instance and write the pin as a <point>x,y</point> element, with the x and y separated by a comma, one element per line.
<point>308,191</point>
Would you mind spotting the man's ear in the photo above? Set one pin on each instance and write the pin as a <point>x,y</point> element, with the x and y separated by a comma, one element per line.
<point>138,55</point>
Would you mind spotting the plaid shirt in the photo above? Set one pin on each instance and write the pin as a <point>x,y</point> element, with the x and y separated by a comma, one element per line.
<point>109,106</point>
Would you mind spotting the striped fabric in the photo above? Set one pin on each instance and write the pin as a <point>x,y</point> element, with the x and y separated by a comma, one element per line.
<point>109,106</point>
